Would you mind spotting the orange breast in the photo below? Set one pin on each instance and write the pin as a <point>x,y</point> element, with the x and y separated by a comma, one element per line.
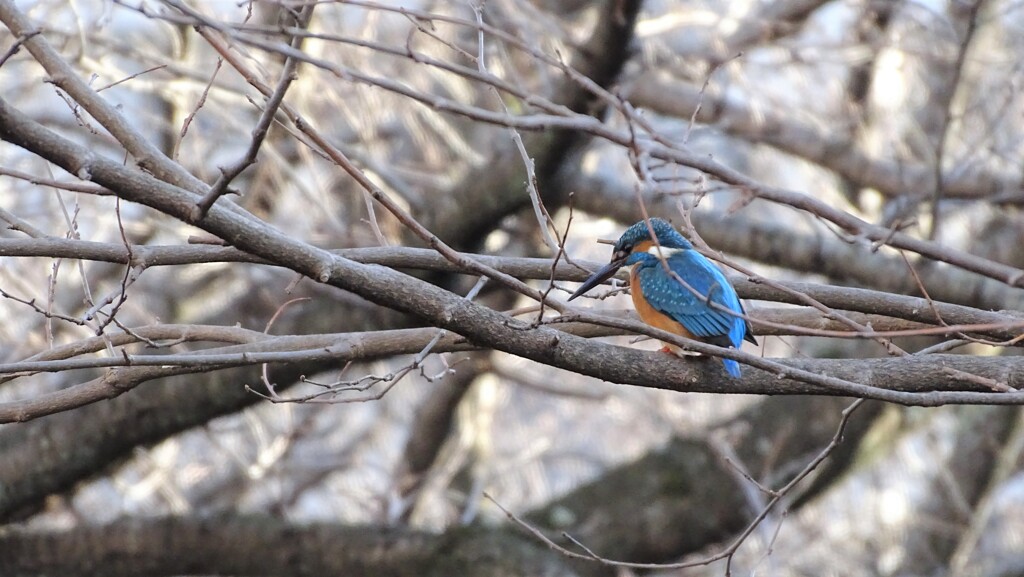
<point>649,314</point>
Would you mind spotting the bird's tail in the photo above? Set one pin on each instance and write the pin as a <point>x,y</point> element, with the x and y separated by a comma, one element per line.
<point>732,367</point>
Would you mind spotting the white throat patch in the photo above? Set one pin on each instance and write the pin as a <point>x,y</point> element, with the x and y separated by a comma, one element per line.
<point>665,251</point>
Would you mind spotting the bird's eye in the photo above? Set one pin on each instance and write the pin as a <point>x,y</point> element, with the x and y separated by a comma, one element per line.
<point>621,254</point>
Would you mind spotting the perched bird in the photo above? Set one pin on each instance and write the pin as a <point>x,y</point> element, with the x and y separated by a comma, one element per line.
<point>664,302</point>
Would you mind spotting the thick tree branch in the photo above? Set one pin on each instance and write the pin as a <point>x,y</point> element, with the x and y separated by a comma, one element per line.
<point>836,297</point>
<point>932,379</point>
<point>260,546</point>
<point>927,380</point>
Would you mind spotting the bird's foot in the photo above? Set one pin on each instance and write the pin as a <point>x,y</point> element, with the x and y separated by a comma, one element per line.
<point>678,352</point>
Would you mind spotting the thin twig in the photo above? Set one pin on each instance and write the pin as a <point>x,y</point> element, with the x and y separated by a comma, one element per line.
<point>259,133</point>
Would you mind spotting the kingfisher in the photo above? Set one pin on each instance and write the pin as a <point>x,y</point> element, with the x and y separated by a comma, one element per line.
<point>685,308</point>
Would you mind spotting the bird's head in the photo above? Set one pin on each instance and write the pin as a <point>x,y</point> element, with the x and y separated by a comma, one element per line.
<point>631,247</point>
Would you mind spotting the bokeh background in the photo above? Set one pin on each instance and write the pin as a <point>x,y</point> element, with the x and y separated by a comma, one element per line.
<point>905,114</point>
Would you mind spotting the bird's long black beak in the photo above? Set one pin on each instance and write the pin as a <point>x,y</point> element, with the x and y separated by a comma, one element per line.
<point>605,272</point>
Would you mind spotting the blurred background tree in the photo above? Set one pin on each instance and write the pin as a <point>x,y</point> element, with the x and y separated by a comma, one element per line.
<point>171,171</point>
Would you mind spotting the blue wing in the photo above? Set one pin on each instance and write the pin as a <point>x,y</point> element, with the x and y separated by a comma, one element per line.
<point>665,294</point>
